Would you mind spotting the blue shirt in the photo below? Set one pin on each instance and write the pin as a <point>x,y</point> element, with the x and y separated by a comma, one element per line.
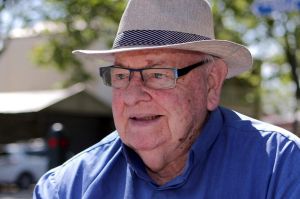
<point>234,157</point>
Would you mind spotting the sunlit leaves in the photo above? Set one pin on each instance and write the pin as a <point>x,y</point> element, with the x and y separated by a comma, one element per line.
<point>235,21</point>
<point>84,22</point>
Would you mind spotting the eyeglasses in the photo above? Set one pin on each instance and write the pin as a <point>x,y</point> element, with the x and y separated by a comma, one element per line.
<point>155,78</point>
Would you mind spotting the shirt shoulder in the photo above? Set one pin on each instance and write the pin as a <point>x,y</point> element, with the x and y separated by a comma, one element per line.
<point>79,172</point>
<point>248,127</point>
<point>263,149</point>
<point>104,149</point>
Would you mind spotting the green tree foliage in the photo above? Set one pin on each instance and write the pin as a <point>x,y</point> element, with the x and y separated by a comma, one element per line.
<point>82,22</point>
<point>11,14</point>
<point>235,21</point>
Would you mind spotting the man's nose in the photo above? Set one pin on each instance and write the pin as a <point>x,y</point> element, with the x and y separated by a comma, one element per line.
<point>136,90</point>
<point>137,73</point>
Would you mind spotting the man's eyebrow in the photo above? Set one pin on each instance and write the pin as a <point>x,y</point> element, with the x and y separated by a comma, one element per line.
<point>118,64</point>
<point>150,64</point>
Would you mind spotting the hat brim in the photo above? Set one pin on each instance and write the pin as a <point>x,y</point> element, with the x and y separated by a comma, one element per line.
<point>237,57</point>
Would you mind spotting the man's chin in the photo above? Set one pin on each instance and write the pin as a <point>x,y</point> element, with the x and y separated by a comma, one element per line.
<point>144,145</point>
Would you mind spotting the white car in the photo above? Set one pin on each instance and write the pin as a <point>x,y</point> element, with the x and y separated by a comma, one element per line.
<point>22,164</point>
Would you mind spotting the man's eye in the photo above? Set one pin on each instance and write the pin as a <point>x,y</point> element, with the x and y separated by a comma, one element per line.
<point>159,75</point>
<point>120,76</point>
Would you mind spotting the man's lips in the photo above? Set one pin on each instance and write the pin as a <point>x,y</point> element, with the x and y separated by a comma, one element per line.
<point>145,118</point>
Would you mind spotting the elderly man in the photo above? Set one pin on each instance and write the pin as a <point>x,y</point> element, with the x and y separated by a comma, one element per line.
<point>172,140</point>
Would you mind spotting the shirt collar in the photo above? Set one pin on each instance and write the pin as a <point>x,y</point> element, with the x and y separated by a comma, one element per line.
<point>197,155</point>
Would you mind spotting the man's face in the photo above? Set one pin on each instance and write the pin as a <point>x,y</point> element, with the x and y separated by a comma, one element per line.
<point>166,120</point>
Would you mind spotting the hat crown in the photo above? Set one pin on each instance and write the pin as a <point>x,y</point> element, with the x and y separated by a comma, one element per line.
<point>174,24</point>
<point>188,16</point>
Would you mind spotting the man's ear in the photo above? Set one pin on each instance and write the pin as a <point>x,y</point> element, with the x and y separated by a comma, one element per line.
<point>216,77</point>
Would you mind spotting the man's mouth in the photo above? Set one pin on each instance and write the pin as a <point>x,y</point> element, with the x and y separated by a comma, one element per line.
<point>146,118</point>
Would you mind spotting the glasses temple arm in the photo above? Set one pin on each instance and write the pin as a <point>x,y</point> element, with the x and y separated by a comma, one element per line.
<point>185,70</point>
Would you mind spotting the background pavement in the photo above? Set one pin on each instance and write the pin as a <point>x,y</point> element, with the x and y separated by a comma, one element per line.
<point>11,192</point>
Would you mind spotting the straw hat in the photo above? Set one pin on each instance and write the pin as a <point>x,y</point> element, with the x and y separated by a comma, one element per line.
<point>176,24</point>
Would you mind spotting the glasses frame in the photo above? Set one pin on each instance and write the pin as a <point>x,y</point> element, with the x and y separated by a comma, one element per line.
<point>178,72</point>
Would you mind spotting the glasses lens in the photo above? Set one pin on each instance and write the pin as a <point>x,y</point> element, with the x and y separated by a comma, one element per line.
<point>115,77</point>
<point>156,78</point>
<point>119,77</point>
<point>160,78</point>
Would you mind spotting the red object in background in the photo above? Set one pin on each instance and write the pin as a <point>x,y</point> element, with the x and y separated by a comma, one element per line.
<point>57,142</point>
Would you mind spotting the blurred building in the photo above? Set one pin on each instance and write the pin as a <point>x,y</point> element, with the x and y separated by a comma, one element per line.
<point>19,73</point>
<point>31,101</point>
<point>30,114</point>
